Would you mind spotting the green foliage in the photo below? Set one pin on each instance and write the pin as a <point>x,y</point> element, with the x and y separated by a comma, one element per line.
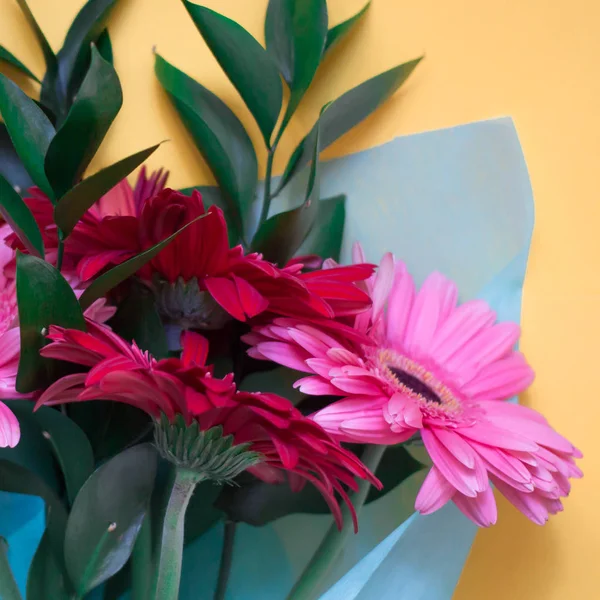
<point>107,515</point>
<point>19,217</point>
<point>95,107</point>
<point>9,58</point>
<point>326,239</point>
<point>336,34</point>
<point>44,298</point>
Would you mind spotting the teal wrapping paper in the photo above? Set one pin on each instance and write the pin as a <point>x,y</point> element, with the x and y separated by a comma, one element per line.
<point>458,201</point>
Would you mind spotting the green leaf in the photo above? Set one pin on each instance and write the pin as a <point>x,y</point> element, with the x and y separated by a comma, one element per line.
<point>17,214</point>
<point>47,51</point>
<point>104,46</point>
<point>219,136</point>
<point>19,480</point>
<point>74,56</point>
<point>107,281</point>
<point>346,112</point>
<point>71,448</point>
<point>258,503</point>
<point>212,195</point>
<point>326,239</point>
<point>107,515</point>
<point>295,32</point>
<point>73,205</point>
<point>76,142</point>
<point>44,298</point>
<point>137,320</point>
<point>11,167</point>
<point>245,62</point>
<point>45,578</point>
<point>280,236</point>
<point>9,58</point>
<point>29,128</point>
<point>337,33</point>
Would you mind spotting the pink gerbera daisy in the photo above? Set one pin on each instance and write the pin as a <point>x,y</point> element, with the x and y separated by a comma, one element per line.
<point>428,365</point>
<point>287,442</point>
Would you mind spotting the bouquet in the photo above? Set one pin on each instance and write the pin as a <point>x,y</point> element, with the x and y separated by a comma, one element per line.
<point>174,359</point>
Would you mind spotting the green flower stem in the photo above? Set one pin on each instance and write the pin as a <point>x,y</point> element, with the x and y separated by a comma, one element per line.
<point>267,196</point>
<point>171,550</point>
<point>141,562</point>
<point>61,252</point>
<point>334,540</point>
<point>8,585</point>
<point>226,559</point>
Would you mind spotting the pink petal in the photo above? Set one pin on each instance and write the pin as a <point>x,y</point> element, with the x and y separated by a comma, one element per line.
<point>354,385</point>
<point>383,284</point>
<point>195,349</point>
<point>491,344</point>
<point>457,446</point>
<point>309,343</point>
<point>10,432</point>
<point>315,386</point>
<point>482,509</point>
<point>531,505</point>
<point>10,345</point>
<point>426,314</point>
<point>434,493</point>
<point>399,306</point>
<point>285,354</point>
<point>490,435</point>
<point>225,293</point>
<point>253,303</point>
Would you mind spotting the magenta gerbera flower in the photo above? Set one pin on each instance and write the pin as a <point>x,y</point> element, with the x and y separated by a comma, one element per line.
<point>184,388</point>
<point>428,365</point>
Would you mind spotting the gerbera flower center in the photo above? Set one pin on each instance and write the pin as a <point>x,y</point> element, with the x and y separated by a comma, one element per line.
<point>413,379</point>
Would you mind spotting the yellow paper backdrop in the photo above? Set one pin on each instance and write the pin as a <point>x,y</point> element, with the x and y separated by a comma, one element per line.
<point>537,61</point>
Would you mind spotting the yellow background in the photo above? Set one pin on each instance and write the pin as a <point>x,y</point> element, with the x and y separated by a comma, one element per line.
<point>536,60</point>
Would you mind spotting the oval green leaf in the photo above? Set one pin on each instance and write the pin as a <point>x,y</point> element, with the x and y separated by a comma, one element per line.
<point>44,298</point>
<point>107,515</point>
<point>107,281</point>
<point>346,112</point>
<point>29,128</point>
<point>245,62</point>
<point>73,205</point>
<point>9,58</point>
<point>218,134</point>
<point>76,142</point>
<point>71,448</point>
<point>47,51</point>
<point>295,33</point>
<point>45,578</point>
<point>17,214</point>
<point>336,34</point>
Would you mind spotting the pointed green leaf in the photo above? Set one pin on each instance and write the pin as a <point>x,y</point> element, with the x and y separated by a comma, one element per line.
<point>47,51</point>
<point>346,112</point>
<point>29,128</point>
<point>107,515</point>
<point>71,448</point>
<point>107,281</point>
<point>11,167</point>
<point>280,236</point>
<point>137,320</point>
<point>326,239</point>
<point>74,56</point>
<point>73,205</point>
<point>95,107</point>
<point>17,214</point>
<point>218,134</point>
<point>44,298</point>
<point>9,58</point>
<point>295,32</point>
<point>245,62</point>
<point>337,33</point>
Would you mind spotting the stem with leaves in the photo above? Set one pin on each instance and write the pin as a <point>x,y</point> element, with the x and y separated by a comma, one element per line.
<point>8,585</point>
<point>226,559</point>
<point>168,573</point>
<point>333,542</point>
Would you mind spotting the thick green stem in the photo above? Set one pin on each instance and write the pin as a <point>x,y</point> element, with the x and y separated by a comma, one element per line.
<point>171,550</point>
<point>141,563</point>
<point>334,540</point>
<point>8,585</point>
<point>61,252</point>
<point>226,559</point>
